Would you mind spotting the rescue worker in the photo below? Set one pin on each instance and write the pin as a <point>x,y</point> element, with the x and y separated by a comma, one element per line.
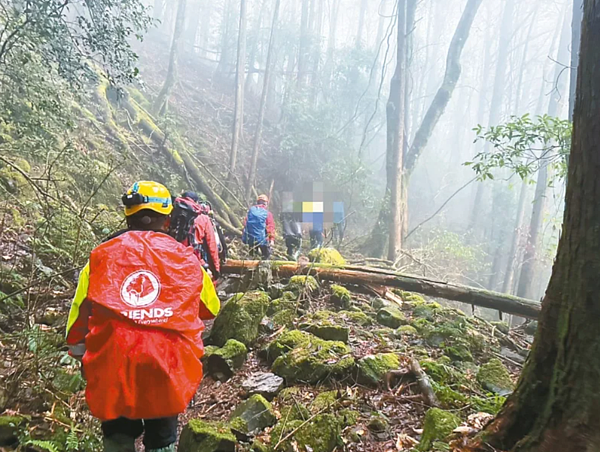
<point>259,228</point>
<point>136,325</point>
<point>204,234</point>
<point>292,233</point>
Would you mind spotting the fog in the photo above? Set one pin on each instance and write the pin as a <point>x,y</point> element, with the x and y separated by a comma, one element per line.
<point>325,101</point>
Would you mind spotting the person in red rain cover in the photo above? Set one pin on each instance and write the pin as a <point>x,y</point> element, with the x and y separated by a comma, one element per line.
<point>136,325</point>
<point>204,233</point>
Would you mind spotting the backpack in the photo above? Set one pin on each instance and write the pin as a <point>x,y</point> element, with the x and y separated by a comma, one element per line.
<point>182,222</point>
<point>220,237</point>
<point>255,232</point>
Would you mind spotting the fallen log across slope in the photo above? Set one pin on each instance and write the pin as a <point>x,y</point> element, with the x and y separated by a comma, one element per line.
<point>365,275</point>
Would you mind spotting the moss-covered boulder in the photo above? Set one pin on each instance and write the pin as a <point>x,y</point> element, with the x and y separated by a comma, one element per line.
<point>9,429</point>
<point>424,310</point>
<point>201,436</point>
<point>257,446</point>
<point>299,356</point>
<point>301,284</point>
<point>329,256</point>
<point>391,317</point>
<point>407,330</point>
<point>356,317</point>
<point>223,362</point>
<point>324,401</point>
<point>328,332</point>
<point>494,377</point>
<point>503,327</point>
<point>240,318</point>
<point>378,423</point>
<point>340,296</point>
<point>373,368</point>
<point>438,425</point>
<point>253,415</point>
<point>321,434</point>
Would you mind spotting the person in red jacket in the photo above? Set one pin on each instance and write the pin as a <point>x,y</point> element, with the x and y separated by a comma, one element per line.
<point>136,325</point>
<point>204,233</point>
<point>259,228</point>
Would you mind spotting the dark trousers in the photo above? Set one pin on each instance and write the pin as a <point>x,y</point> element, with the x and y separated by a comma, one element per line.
<point>256,247</point>
<point>316,239</point>
<point>293,244</point>
<point>158,433</point>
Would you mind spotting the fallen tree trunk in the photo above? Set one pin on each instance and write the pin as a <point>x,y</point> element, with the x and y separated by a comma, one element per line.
<point>365,275</point>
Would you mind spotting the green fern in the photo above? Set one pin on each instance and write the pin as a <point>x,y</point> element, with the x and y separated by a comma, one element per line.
<point>46,445</point>
<point>72,441</point>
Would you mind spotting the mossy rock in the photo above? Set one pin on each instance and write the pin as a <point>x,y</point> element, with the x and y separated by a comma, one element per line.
<point>324,401</point>
<point>240,319</point>
<point>321,434</point>
<point>440,370</point>
<point>438,425</point>
<point>9,429</point>
<point>223,362</point>
<point>253,415</point>
<point>409,296</point>
<point>340,296</point>
<point>302,357</point>
<point>406,330</point>
<point>288,300</point>
<point>391,317</point>
<point>373,368</point>
<point>425,310</point>
<point>494,377</point>
<point>301,284</point>
<point>285,318</point>
<point>357,317</point>
<point>12,180</point>
<point>329,256</point>
<point>328,332</point>
<point>459,352</point>
<point>348,418</point>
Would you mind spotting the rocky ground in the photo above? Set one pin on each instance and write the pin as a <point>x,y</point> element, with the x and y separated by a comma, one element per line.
<point>314,367</point>
<point>295,365</point>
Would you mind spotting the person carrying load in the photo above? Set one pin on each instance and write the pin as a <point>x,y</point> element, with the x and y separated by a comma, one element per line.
<point>259,228</point>
<point>136,325</point>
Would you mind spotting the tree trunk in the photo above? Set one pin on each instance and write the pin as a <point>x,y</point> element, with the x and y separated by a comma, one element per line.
<point>238,118</point>
<point>575,43</point>
<point>303,45</point>
<point>361,22</point>
<point>193,23</point>
<point>512,255</point>
<point>528,270</point>
<point>497,97</point>
<point>334,11</point>
<point>444,94</point>
<point>252,55</point>
<point>226,33</point>
<point>263,104</point>
<point>316,52</point>
<point>395,140</point>
<point>162,100</point>
<point>377,277</point>
<point>555,405</point>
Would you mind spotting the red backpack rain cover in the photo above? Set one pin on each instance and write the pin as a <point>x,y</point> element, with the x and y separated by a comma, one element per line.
<point>144,345</point>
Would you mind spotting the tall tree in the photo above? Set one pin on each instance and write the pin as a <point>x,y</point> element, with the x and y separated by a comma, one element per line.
<point>444,93</point>
<point>240,75</point>
<point>395,141</point>
<point>555,405</point>
<point>162,100</point>
<point>361,22</point>
<point>575,43</point>
<point>304,44</point>
<point>506,34</point>
<point>263,104</point>
<point>528,269</point>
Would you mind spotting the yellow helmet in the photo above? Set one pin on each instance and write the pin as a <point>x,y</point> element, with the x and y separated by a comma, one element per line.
<point>147,195</point>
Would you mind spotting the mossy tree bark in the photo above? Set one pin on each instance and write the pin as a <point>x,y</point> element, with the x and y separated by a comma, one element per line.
<point>162,100</point>
<point>556,406</point>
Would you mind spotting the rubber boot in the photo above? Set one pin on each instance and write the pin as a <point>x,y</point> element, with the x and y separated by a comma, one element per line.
<point>169,448</point>
<point>119,443</point>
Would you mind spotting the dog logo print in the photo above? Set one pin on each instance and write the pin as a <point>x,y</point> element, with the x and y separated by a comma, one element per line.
<point>140,289</point>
